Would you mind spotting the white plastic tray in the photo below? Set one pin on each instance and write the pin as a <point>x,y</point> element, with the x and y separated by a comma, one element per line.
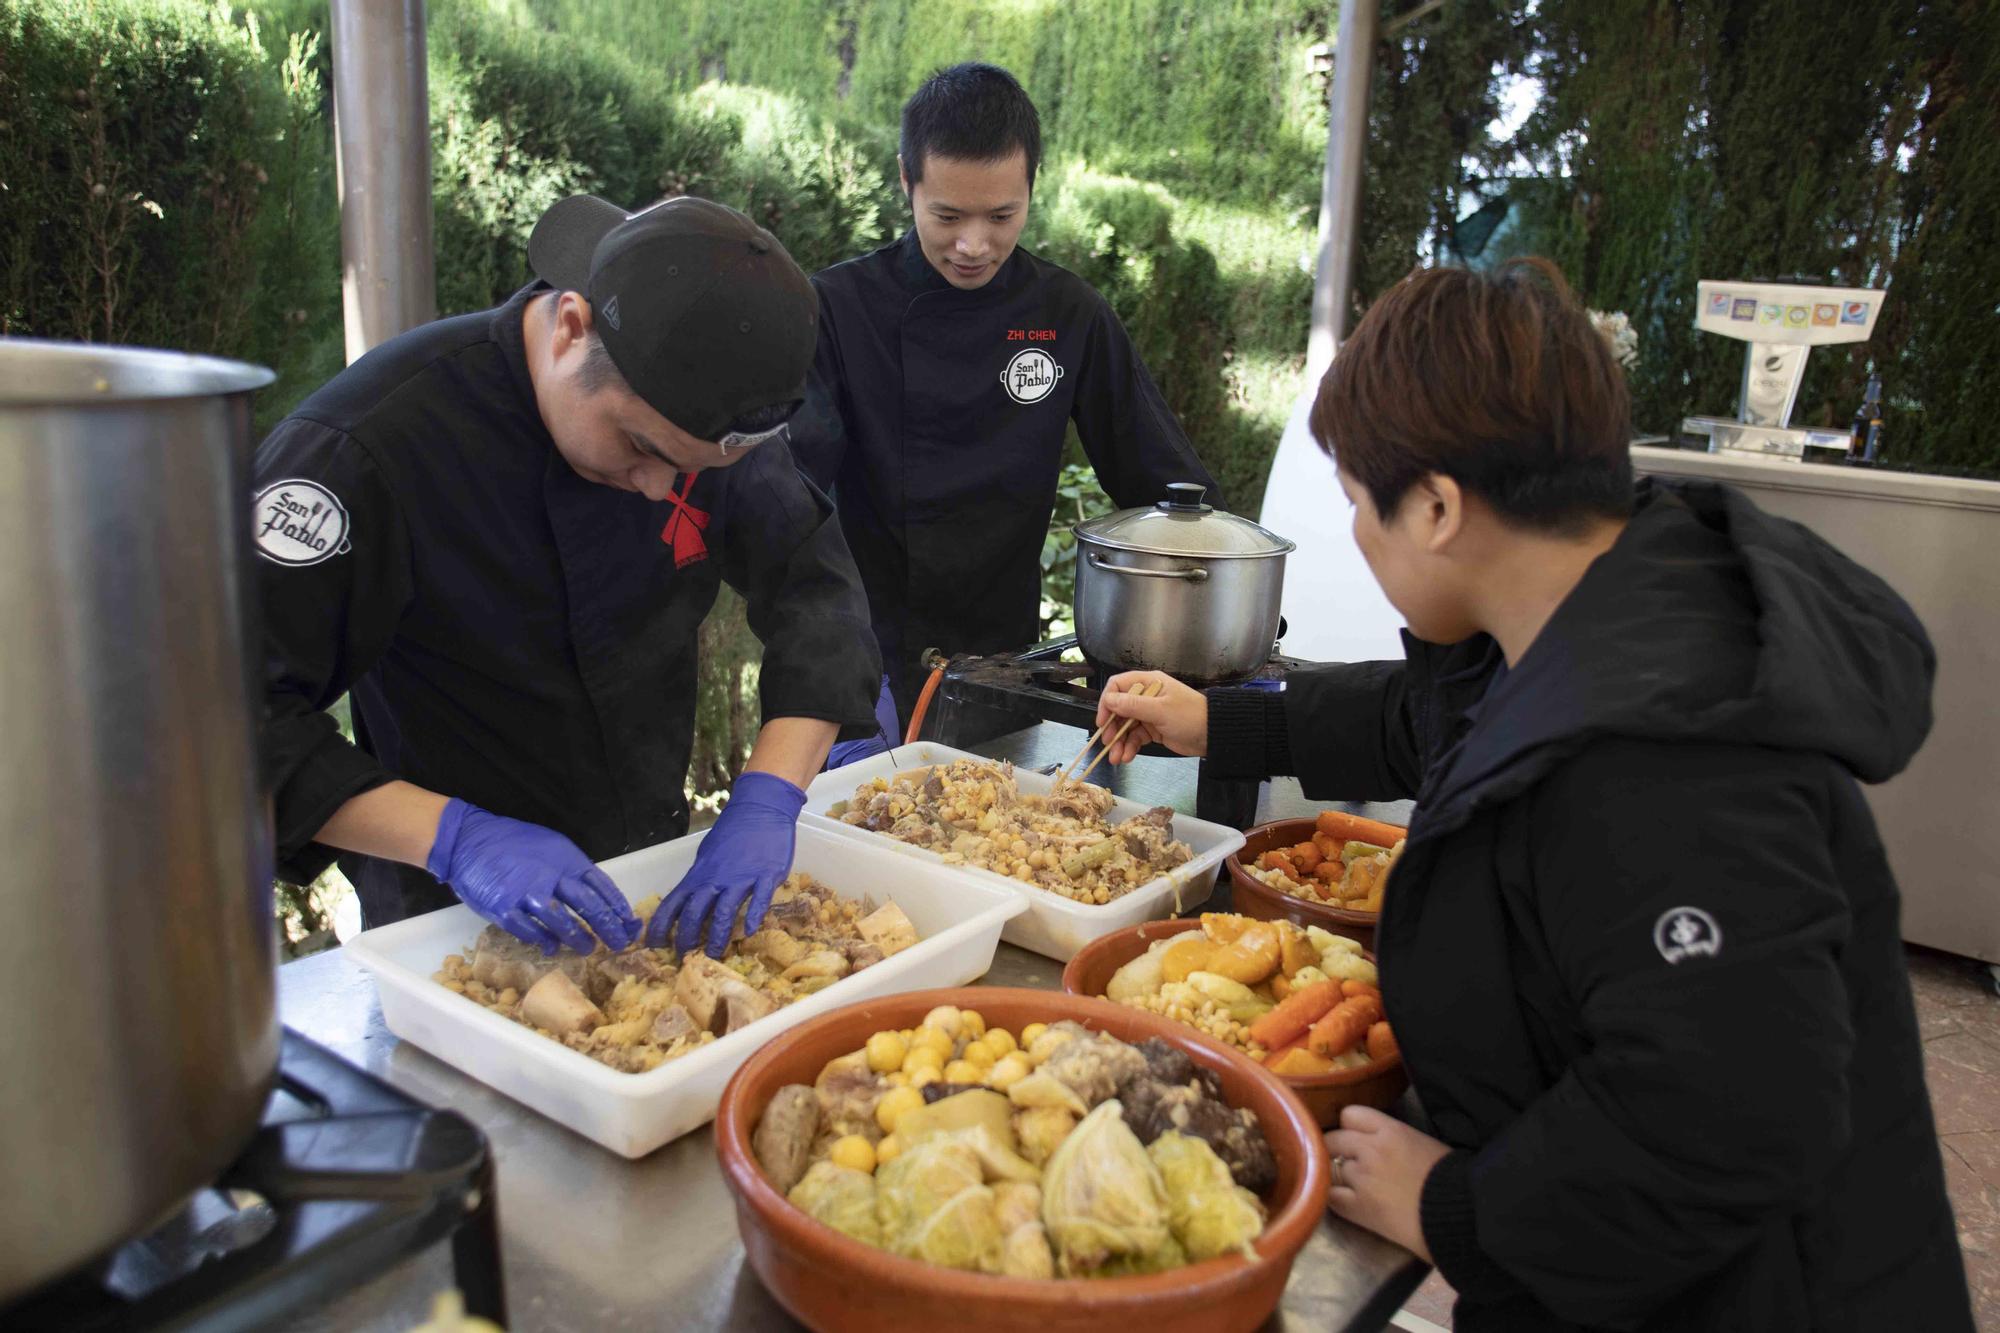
<point>958,924</point>
<point>1053,925</point>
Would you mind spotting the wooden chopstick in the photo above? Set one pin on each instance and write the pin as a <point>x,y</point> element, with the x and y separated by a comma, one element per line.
<point>1146,691</point>
<point>1063,778</point>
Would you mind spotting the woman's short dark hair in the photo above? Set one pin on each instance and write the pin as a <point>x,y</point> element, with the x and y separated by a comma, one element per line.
<point>977,113</point>
<point>1497,380</point>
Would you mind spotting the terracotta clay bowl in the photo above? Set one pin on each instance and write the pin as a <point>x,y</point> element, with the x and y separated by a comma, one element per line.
<point>1378,1085</point>
<point>835,1284</point>
<point>1253,897</point>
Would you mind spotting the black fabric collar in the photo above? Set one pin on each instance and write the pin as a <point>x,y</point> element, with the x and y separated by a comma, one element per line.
<point>509,334</point>
<point>920,279</point>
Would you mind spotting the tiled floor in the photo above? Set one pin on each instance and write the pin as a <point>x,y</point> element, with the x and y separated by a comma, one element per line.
<point>1960,1023</point>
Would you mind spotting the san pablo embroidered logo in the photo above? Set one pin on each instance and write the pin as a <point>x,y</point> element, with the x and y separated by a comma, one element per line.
<point>611,314</point>
<point>1031,376</point>
<point>1686,932</point>
<point>299,522</point>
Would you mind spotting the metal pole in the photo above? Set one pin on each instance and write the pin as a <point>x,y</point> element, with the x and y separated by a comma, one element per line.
<point>381,128</point>
<point>1340,195</point>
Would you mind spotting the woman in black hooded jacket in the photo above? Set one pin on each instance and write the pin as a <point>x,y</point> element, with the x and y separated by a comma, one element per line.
<point>1641,950</point>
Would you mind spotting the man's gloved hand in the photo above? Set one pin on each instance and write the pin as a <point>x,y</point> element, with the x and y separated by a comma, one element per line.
<point>746,855</point>
<point>527,879</point>
<point>888,734</point>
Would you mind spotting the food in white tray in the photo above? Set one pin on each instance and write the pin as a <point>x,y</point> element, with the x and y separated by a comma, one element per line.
<point>973,813</point>
<point>639,1008</point>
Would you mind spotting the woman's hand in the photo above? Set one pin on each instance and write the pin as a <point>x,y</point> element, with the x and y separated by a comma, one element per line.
<point>1175,716</point>
<point>1379,1169</point>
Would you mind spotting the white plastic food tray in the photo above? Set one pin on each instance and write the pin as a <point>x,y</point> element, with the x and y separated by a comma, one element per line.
<point>958,925</point>
<point>1053,925</point>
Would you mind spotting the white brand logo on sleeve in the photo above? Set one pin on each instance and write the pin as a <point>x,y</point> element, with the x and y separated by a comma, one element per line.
<point>299,522</point>
<point>1686,932</point>
<point>1031,376</point>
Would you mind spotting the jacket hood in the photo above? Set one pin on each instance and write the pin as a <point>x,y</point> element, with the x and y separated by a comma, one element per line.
<point>1709,620</point>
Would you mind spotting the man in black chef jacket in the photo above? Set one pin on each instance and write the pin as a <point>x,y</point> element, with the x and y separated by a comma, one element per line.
<point>499,533</point>
<point>948,367</point>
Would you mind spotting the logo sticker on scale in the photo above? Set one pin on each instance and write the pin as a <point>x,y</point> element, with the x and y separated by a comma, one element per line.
<point>299,522</point>
<point>1718,304</point>
<point>1031,376</point>
<point>1854,312</point>
<point>1743,308</point>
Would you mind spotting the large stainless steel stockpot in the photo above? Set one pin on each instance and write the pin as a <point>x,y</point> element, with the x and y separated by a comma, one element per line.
<point>1180,587</point>
<point>136,937</point>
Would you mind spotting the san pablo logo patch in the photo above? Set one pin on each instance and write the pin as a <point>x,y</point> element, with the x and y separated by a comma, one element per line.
<point>299,522</point>
<point>1686,932</point>
<point>1031,376</point>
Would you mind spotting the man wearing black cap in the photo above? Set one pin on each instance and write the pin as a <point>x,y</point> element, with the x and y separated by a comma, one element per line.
<point>499,534</point>
<point>950,366</point>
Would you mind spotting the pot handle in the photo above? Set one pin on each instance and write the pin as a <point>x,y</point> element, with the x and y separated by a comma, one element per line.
<point>1189,575</point>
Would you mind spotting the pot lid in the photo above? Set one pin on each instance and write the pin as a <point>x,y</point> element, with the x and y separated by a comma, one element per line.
<point>1182,525</point>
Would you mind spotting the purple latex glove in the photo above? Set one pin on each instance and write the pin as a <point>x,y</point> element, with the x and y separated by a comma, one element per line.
<point>888,734</point>
<point>746,855</point>
<point>527,880</point>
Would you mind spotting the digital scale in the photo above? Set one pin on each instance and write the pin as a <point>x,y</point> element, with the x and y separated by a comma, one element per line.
<point>1781,321</point>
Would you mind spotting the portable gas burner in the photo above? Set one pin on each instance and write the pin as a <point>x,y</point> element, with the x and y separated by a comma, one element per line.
<point>980,698</point>
<point>346,1178</point>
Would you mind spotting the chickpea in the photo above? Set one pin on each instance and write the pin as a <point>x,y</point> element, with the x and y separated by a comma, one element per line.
<point>963,1071</point>
<point>946,1018</point>
<point>886,1052</point>
<point>895,1104</point>
<point>853,1152</point>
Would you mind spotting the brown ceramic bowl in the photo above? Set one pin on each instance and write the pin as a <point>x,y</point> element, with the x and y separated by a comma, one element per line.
<point>1378,1085</point>
<point>1253,897</point>
<point>835,1284</point>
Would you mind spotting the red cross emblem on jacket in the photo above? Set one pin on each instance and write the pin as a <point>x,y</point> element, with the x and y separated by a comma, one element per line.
<point>683,530</point>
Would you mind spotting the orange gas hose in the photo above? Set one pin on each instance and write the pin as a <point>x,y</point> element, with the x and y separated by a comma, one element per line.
<point>923,704</point>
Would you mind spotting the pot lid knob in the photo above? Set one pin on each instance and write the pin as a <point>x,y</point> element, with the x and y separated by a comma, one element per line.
<point>1184,497</point>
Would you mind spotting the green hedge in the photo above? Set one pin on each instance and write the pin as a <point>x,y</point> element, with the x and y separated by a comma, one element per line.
<point>167,181</point>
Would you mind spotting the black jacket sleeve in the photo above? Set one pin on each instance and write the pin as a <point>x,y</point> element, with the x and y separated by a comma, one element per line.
<point>325,624</point>
<point>1708,1091</point>
<point>819,429</point>
<point>786,555</point>
<point>1127,429</point>
<point>1354,731</point>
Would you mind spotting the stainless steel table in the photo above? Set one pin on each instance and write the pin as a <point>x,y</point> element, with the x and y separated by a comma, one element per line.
<point>594,1242</point>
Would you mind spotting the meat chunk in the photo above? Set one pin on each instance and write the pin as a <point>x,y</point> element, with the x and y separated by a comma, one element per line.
<point>1152,1107</point>
<point>558,1005</point>
<point>785,1133</point>
<point>860,953</point>
<point>500,961</point>
<point>673,1024</point>
<point>888,929</point>
<point>848,1090</point>
<point>744,1005</point>
<point>701,986</point>
<point>1093,1066</point>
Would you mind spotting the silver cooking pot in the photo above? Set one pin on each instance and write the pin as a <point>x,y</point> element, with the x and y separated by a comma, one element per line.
<point>136,937</point>
<point>1179,587</point>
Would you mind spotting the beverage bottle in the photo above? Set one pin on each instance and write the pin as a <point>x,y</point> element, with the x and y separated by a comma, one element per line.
<point>1865,435</point>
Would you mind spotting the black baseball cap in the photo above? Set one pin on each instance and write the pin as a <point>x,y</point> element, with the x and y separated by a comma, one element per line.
<point>703,311</point>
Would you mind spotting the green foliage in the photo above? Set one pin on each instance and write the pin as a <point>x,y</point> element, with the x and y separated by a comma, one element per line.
<point>167,182</point>
<point>828,193</point>
<point>520,119</point>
